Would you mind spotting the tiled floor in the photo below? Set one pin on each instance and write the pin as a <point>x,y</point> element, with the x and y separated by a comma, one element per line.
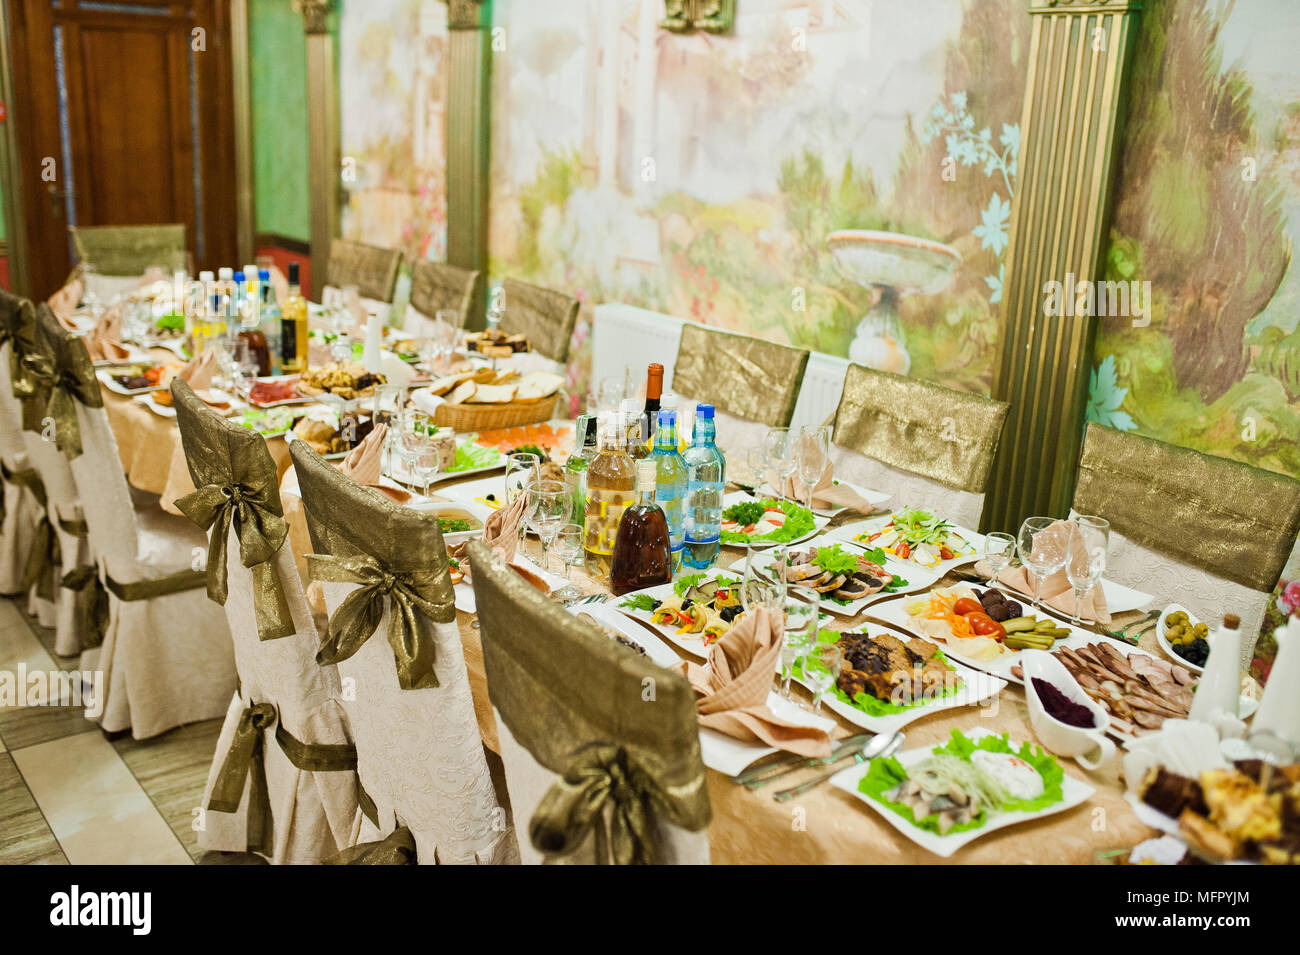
<point>69,795</point>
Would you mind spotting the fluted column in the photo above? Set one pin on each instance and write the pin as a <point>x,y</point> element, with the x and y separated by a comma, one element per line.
<point>469,86</point>
<point>1080,52</point>
<point>323,135</point>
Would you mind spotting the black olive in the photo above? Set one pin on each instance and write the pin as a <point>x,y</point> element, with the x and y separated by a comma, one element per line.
<point>729,614</point>
<point>656,604</point>
<point>686,602</point>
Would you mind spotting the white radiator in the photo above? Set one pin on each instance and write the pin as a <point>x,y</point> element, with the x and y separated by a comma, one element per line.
<point>624,339</point>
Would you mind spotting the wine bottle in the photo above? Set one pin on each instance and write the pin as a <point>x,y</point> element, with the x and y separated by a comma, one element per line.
<point>611,487</point>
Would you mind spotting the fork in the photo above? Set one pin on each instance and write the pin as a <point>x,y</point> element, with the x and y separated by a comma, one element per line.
<point>879,746</point>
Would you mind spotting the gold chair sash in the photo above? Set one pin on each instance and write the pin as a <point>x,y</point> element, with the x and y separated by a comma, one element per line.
<point>947,436</point>
<point>174,583</point>
<point>744,377</point>
<point>547,317</point>
<point>1227,518</point>
<point>397,849</point>
<point>18,328</point>
<point>245,761</point>
<point>235,478</point>
<point>371,269</point>
<point>90,606</point>
<point>616,727</point>
<point>64,377</point>
<point>394,553</point>
<point>27,479</point>
<point>128,249</point>
<point>436,286</point>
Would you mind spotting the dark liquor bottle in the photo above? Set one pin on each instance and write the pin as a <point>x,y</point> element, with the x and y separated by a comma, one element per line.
<point>640,436</point>
<point>642,550</point>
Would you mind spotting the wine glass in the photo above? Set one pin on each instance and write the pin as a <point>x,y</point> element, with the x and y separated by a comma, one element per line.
<point>243,365</point>
<point>1087,559</point>
<point>779,447</point>
<point>416,446</point>
<point>813,451</point>
<point>568,544</point>
<point>759,588</point>
<point>801,618</point>
<point>821,668</point>
<point>1042,551</point>
<point>998,550</point>
<point>446,333</point>
<point>756,461</point>
<point>547,511</point>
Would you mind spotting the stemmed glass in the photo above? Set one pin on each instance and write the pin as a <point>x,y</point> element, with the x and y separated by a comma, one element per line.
<point>778,444</point>
<point>416,446</point>
<point>821,668</point>
<point>759,589</point>
<point>1042,553</point>
<point>568,544</point>
<point>998,549</point>
<point>813,450</point>
<point>1087,560</point>
<point>801,619</point>
<point>244,366</point>
<point>756,461</point>
<point>547,509</point>
<point>389,400</point>
<point>446,335</point>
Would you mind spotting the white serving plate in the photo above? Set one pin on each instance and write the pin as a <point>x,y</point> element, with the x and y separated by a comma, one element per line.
<point>1119,599</point>
<point>397,471</point>
<point>976,687</point>
<point>1073,793</point>
<point>106,379</point>
<point>1162,640</point>
<point>974,538</point>
<point>300,400</point>
<point>918,578</point>
<point>655,649</point>
<point>737,497</point>
<point>135,356</point>
<point>165,411</point>
<point>731,756</point>
<point>692,643</point>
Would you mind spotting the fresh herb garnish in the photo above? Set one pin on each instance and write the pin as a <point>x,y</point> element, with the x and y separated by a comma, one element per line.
<point>798,522</point>
<point>835,560</point>
<point>745,513</point>
<point>639,602</point>
<point>454,525</point>
<point>683,584</point>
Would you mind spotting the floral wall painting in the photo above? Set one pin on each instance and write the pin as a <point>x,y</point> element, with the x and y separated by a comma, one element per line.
<point>393,95</point>
<point>705,176</point>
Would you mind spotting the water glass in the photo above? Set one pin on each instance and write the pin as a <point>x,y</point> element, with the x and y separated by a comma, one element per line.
<point>813,453</point>
<point>756,461</point>
<point>780,450</point>
<point>763,586</point>
<point>416,446</point>
<point>1090,537</point>
<point>801,619</point>
<point>821,668</point>
<point>568,544</point>
<point>1042,550</point>
<point>548,508</point>
<point>998,551</point>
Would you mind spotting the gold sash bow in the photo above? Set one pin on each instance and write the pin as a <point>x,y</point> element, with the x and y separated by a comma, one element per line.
<point>245,761</point>
<point>236,485</point>
<point>28,479</point>
<point>397,849</point>
<point>90,607</point>
<point>44,560</point>
<point>18,328</point>
<point>362,610</point>
<point>63,377</point>
<point>601,775</point>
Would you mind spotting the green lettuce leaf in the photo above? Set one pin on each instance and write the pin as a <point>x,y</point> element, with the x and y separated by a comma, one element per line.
<point>798,522</point>
<point>471,456</point>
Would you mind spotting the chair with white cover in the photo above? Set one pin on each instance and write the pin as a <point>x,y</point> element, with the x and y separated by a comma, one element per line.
<point>392,633</point>
<point>1204,532</point>
<point>112,258</point>
<point>437,287</point>
<point>752,384</point>
<point>373,270</point>
<point>167,657</point>
<point>61,567</point>
<point>546,317</point>
<point>601,747</point>
<point>283,780</point>
<point>19,508</point>
<point>924,444</point>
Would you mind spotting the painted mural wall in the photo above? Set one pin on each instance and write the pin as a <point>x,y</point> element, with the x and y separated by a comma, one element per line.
<point>1208,212</point>
<point>393,95</point>
<point>702,176</point>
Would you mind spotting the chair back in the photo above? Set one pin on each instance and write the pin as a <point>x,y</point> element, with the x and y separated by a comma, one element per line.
<point>742,377</point>
<point>127,250</point>
<point>920,442</point>
<point>545,316</point>
<point>393,634</point>
<point>592,735</point>
<point>371,269</point>
<point>437,286</point>
<point>1210,534</point>
<point>17,335</point>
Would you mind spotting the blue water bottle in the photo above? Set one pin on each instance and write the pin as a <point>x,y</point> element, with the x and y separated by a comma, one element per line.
<point>670,480</point>
<point>706,475</point>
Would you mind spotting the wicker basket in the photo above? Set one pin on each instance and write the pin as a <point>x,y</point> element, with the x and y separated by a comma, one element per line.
<point>486,417</point>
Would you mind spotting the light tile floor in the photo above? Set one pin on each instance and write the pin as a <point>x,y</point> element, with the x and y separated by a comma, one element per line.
<point>69,795</point>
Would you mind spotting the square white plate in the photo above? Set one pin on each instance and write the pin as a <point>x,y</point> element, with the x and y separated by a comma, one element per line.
<point>976,540</point>
<point>655,649</point>
<point>739,497</point>
<point>1073,793</point>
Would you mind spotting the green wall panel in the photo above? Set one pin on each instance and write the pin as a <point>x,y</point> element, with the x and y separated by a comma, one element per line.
<point>278,54</point>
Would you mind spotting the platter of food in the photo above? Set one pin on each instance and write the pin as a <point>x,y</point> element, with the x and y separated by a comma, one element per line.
<point>1183,637</point>
<point>692,613</point>
<point>887,682</point>
<point>765,520</point>
<point>848,577</point>
<point>494,343</point>
<point>347,381</point>
<point>160,402</point>
<point>269,423</point>
<point>626,633</point>
<point>274,392</point>
<point>918,536</point>
<point>456,521</point>
<point>330,434</point>
<point>946,796</point>
<point>132,380</point>
<point>874,498</point>
<point>458,459</point>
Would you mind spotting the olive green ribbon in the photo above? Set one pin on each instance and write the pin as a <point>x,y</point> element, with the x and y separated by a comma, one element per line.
<point>64,379</point>
<point>361,612</point>
<point>262,531</point>
<point>602,774</point>
<point>19,329</point>
<point>244,761</point>
<point>28,479</point>
<point>90,608</point>
<point>175,583</point>
<point>44,559</point>
<point>397,849</point>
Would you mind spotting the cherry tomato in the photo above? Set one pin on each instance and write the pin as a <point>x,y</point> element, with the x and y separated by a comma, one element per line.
<point>967,605</point>
<point>986,626</point>
<point>903,550</point>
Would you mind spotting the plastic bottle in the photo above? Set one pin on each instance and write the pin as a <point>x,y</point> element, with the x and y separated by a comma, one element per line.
<point>706,471</point>
<point>670,479</point>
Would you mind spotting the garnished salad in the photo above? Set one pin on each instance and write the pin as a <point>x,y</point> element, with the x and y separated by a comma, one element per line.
<point>765,520</point>
<point>919,535</point>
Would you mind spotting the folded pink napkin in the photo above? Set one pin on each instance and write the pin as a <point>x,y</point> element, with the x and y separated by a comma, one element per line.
<point>731,694</point>
<point>198,371</point>
<point>105,340</point>
<point>65,301</point>
<point>1057,591</point>
<point>365,463</point>
<point>827,494</point>
<point>500,532</point>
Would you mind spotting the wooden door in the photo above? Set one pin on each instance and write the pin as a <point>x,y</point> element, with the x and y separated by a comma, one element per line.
<point>125,117</point>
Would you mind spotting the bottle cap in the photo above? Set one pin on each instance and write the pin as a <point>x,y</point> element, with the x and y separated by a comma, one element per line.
<point>238,277</point>
<point>704,411</point>
<point>646,471</point>
<point>669,401</point>
<point>264,275</point>
<point>207,277</point>
<point>667,417</point>
<point>226,274</point>
<point>293,273</point>
<point>654,385</point>
<point>1231,621</point>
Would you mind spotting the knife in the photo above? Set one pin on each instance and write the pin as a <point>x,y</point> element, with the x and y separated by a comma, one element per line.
<point>879,745</point>
<point>760,776</point>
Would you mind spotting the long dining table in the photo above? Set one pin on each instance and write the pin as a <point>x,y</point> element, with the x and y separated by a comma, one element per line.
<point>825,825</point>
